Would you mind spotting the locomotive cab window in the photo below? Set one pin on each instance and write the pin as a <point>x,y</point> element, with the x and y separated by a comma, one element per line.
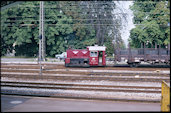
<point>93,54</point>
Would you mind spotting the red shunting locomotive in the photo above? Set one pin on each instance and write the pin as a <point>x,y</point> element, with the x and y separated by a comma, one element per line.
<point>92,56</point>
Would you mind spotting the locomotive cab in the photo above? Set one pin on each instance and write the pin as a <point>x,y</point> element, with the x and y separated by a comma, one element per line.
<point>97,55</point>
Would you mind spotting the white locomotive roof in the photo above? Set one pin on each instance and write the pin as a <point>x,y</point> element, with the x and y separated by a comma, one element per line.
<point>97,48</point>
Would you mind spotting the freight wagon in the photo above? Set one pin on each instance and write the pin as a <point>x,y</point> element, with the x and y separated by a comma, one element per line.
<point>134,57</point>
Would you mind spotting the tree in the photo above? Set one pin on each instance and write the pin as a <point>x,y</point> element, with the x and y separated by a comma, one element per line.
<point>82,33</point>
<point>100,16</point>
<point>151,19</point>
<point>76,24</point>
<point>14,33</point>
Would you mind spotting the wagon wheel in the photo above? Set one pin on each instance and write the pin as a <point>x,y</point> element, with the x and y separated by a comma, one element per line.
<point>133,64</point>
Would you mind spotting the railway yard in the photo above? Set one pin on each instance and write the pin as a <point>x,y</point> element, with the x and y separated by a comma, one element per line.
<point>141,84</point>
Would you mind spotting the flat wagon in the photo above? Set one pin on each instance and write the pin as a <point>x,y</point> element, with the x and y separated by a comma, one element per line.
<point>135,56</point>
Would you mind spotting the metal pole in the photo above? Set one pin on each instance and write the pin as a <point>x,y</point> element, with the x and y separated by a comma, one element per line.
<point>41,33</point>
<point>43,36</point>
<point>40,38</point>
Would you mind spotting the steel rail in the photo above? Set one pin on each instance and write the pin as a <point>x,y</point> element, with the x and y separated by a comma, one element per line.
<point>61,66</point>
<point>85,73</point>
<point>76,78</point>
<point>63,87</point>
<point>85,85</point>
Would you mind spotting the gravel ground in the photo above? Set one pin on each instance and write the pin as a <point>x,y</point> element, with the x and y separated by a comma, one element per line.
<point>77,75</point>
<point>30,60</point>
<point>88,94</point>
<point>88,82</point>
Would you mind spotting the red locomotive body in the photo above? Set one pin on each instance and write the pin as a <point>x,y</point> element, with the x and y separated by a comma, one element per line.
<point>92,56</point>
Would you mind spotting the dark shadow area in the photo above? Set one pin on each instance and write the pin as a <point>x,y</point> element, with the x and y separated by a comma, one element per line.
<point>144,66</point>
<point>9,102</point>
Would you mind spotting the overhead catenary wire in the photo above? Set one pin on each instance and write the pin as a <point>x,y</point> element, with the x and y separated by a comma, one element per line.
<point>66,19</point>
<point>90,14</point>
<point>36,25</point>
<point>91,3</point>
<point>59,19</point>
<point>65,10</point>
<point>85,3</point>
<point>55,20</point>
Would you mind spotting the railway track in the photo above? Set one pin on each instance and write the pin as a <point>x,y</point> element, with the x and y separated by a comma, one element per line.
<point>113,83</point>
<point>39,89</point>
<point>19,71</point>
<point>81,87</point>
<point>59,66</point>
<point>156,72</point>
<point>75,77</point>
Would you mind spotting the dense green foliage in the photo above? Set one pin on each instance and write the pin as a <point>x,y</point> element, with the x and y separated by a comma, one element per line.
<point>79,24</point>
<point>151,19</point>
<point>67,24</point>
<point>15,36</point>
